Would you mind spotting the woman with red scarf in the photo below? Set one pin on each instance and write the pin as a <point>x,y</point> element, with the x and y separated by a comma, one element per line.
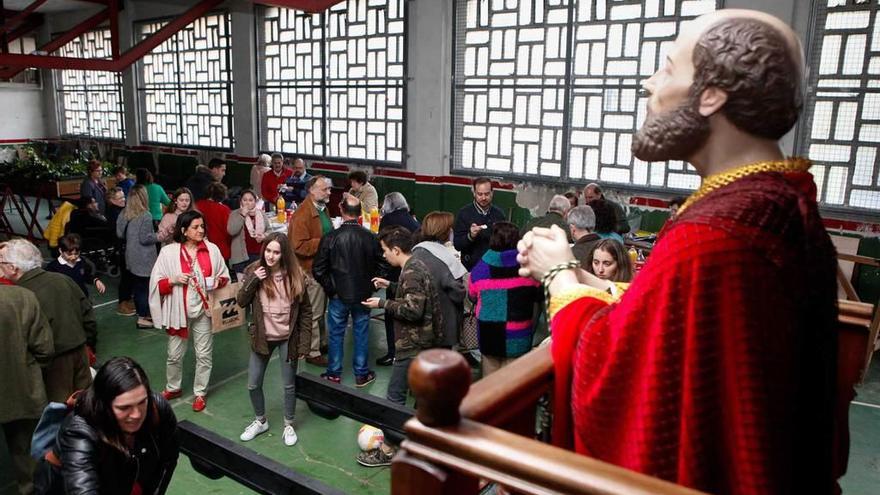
<point>184,275</point>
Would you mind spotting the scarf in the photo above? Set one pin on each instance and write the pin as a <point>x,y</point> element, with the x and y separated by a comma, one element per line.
<point>445,255</point>
<point>169,311</point>
<point>254,227</point>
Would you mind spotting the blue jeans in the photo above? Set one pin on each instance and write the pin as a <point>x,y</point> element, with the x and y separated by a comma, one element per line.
<point>337,318</point>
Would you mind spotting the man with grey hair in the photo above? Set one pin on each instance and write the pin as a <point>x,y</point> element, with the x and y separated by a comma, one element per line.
<point>68,310</point>
<point>581,222</point>
<point>592,192</point>
<point>556,211</point>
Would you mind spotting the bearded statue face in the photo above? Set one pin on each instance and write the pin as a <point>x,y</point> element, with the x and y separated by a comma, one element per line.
<point>674,134</point>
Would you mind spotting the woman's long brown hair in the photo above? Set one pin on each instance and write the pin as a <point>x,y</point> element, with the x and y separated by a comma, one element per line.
<point>295,279</point>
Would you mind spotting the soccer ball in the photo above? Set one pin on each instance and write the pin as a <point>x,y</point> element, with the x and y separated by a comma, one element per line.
<point>370,437</point>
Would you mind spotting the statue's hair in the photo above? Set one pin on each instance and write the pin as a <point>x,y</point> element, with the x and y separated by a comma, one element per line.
<point>751,61</point>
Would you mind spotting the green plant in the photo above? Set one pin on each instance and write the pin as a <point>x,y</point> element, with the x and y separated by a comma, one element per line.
<point>30,165</point>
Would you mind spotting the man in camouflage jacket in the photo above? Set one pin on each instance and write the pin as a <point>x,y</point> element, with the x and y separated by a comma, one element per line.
<point>418,320</point>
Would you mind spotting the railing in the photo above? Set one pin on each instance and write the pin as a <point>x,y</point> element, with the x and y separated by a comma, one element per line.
<point>465,435</point>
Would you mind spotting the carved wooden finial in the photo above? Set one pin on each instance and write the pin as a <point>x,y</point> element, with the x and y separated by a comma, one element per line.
<point>439,379</point>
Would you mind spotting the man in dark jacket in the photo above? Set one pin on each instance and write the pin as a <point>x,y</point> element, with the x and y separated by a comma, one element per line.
<point>473,224</point>
<point>348,259</point>
<point>204,176</point>
<point>592,192</point>
<point>26,340</point>
<point>581,223</point>
<point>556,211</point>
<point>70,316</point>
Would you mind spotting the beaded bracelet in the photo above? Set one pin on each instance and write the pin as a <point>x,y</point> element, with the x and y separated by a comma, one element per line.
<point>548,277</point>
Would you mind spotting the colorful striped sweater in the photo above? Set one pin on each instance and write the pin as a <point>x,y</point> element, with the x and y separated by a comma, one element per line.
<point>505,304</point>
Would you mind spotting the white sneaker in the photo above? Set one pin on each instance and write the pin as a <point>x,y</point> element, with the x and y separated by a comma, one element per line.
<point>289,436</point>
<point>254,429</point>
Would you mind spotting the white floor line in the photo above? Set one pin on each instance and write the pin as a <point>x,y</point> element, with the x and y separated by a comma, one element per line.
<point>875,406</point>
<point>108,303</point>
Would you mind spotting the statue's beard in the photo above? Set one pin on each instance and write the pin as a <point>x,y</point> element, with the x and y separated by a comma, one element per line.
<point>672,135</point>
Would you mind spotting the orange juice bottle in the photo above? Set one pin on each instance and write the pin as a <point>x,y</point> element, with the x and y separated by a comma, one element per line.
<point>281,217</point>
<point>374,220</point>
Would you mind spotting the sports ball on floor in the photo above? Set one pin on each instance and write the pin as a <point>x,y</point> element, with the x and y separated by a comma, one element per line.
<point>370,437</point>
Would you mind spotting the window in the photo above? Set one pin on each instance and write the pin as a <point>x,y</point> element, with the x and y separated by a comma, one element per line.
<point>333,85</point>
<point>841,133</point>
<point>185,89</point>
<point>548,90</point>
<point>89,102</point>
<point>26,44</point>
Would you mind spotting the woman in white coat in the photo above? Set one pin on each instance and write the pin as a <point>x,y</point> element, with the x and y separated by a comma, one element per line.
<point>185,274</point>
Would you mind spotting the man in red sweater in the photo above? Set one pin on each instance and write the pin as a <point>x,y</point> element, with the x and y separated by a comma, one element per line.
<point>716,368</point>
<point>216,217</point>
<point>273,178</point>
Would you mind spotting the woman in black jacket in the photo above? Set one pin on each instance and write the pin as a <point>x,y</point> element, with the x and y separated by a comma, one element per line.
<point>119,436</point>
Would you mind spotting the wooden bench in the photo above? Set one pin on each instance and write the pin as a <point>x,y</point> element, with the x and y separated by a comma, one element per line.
<point>464,433</point>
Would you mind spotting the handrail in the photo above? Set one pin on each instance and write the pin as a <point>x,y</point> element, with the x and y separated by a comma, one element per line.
<point>527,465</point>
<point>499,396</point>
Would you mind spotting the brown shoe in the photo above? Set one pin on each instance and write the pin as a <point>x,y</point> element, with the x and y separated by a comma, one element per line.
<point>317,360</point>
<point>126,308</point>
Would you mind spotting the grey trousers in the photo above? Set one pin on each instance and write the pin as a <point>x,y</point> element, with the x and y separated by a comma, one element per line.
<point>18,439</point>
<point>398,385</point>
<point>257,371</point>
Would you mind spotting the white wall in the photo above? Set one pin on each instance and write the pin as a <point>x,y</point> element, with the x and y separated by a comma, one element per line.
<point>23,112</point>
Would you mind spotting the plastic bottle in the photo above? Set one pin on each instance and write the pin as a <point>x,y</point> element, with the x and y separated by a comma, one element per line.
<point>374,220</point>
<point>633,255</point>
<point>279,206</point>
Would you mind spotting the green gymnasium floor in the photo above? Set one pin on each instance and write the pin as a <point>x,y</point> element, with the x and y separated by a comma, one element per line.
<point>326,448</point>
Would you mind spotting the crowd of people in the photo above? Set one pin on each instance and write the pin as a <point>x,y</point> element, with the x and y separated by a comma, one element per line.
<point>715,369</point>
<point>301,287</point>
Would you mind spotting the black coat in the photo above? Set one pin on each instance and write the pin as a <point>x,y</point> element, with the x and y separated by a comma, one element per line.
<point>89,465</point>
<point>348,258</point>
<point>398,218</point>
<point>199,183</point>
<point>472,250</point>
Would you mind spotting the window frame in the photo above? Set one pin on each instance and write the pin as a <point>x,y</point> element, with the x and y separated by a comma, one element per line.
<point>141,88</point>
<point>324,87</point>
<point>56,75</point>
<point>567,86</point>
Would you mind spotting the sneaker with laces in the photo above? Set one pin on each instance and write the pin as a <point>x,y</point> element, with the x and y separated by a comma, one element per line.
<point>254,429</point>
<point>364,380</point>
<point>375,458</point>
<point>331,378</point>
<point>289,435</point>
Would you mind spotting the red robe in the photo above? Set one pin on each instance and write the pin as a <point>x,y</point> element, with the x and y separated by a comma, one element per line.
<point>715,370</point>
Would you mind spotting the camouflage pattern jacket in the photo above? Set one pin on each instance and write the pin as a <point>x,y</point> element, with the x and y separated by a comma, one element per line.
<point>418,319</point>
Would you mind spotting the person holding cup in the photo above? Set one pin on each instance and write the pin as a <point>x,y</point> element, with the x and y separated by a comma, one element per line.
<point>185,274</point>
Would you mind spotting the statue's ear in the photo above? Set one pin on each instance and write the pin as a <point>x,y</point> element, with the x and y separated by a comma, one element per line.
<point>711,101</point>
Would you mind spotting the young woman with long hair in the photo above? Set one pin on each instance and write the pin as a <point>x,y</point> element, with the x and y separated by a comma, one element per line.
<point>182,201</point>
<point>275,288</point>
<point>610,261</point>
<point>119,439</point>
<point>183,278</point>
<point>247,226</point>
<point>135,226</point>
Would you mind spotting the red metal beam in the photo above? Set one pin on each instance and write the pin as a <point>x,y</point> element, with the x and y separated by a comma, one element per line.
<point>56,43</point>
<point>32,22</point>
<point>114,65</point>
<point>11,23</point>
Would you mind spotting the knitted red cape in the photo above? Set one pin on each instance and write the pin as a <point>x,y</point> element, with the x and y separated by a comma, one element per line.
<point>715,370</point>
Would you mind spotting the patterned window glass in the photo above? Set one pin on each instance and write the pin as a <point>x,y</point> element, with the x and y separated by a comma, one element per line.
<point>548,89</point>
<point>89,102</point>
<point>333,85</point>
<point>842,127</point>
<point>185,89</point>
